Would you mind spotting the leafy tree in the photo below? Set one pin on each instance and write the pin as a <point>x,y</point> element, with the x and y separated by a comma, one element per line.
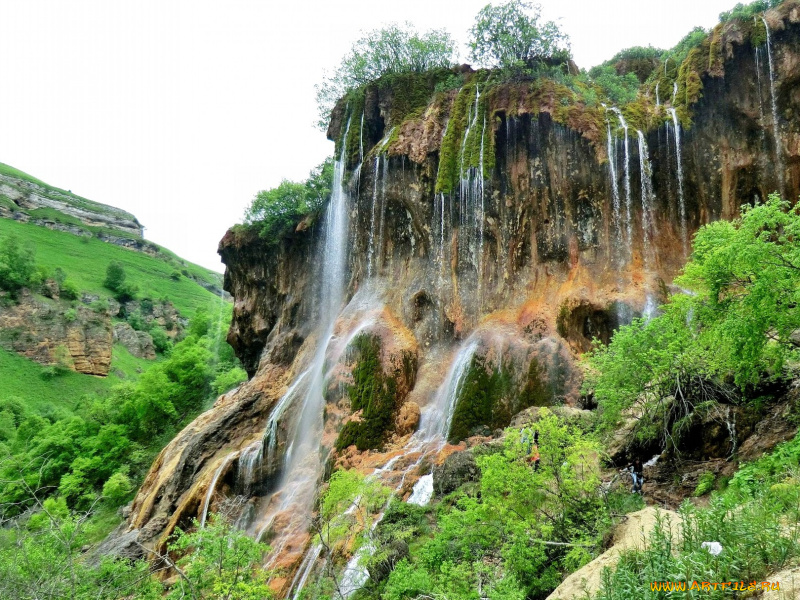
<point>115,276</point>
<point>512,35</point>
<point>276,211</point>
<point>393,49</point>
<point>220,562</point>
<point>736,323</point>
<point>227,380</point>
<point>17,265</point>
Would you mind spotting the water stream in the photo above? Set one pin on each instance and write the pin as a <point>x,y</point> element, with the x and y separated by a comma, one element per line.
<point>774,105</point>
<point>681,199</point>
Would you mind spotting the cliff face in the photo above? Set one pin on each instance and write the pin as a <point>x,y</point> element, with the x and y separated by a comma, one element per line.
<point>482,260</point>
<point>26,197</point>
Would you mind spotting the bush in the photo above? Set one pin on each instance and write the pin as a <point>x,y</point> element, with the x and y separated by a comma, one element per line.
<point>511,35</point>
<point>228,380</point>
<point>117,488</point>
<point>17,265</point>
<point>70,315</point>
<point>69,291</point>
<point>115,276</point>
<point>393,49</point>
<point>278,210</point>
<point>161,341</point>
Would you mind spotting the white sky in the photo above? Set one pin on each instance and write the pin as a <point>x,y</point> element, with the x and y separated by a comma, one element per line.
<point>180,111</point>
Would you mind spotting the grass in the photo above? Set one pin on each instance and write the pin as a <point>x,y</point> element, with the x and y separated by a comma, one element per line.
<point>26,380</point>
<point>85,260</point>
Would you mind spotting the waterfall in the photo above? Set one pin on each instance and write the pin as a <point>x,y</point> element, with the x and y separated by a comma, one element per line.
<point>674,91</point>
<point>628,202</point>
<point>731,424</point>
<point>376,178</point>
<point>250,460</point>
<point>658,100</point>
<point>212,486</point>
<point>774,101</point>
<point>361,141</point>
<point>371,242</point>
<point>303,572</point>
<point>648,220</point>
<point>303,461</point>
<point>435,421</point>
<point>612,170</point>
<point>422,492</point>
<point>382,221</point>
<point>681,199</point>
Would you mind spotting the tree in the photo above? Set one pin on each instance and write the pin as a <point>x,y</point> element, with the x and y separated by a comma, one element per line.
<point>17,265</point>
<point>219,562</point>
<point>512,35</point>
<point>393,49</point>
<point>278,210</point>
<point>115,276</point>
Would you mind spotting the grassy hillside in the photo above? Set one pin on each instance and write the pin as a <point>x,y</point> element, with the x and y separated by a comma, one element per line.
<point>30,382</point>
<point>85,260</point>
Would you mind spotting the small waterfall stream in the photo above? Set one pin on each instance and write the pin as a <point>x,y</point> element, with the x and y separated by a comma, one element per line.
<point>774,105</point>
<point>681,200</point>
<point>628,201</point>
<point>612,171</point>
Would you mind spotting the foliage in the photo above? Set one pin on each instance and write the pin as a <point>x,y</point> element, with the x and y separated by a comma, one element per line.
<point>228,380</point>
<point>705,484</point>
<point>78,454</point>
<point>511,34</point>
<point>620,89</point>
<point>742,11</point>
<point>115,281</point>
<point>522,531</point>
<point>221,563</point>
<point>161,341</point>
<point>735,323</point>
<point>278,210</point>
<point>392,49</point>
<point>17,265</point>
<point>747,520</point>
<point>40,557</point>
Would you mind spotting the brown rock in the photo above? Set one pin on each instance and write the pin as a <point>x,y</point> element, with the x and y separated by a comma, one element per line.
<point>407,418</point>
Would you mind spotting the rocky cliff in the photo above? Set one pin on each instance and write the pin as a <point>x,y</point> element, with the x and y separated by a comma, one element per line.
<point>24,200</point>
<point>491,232</point>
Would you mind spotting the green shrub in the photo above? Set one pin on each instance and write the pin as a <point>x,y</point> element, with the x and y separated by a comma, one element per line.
<point>70,315</point>
<point>69,291</point>
<point>17,265</point>
<point>705,484</point>
<point>117,489</point>
<point>161,341</point>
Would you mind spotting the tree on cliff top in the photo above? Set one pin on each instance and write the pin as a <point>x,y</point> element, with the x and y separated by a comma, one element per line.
<point>392,49</point>
<point>512,35</point>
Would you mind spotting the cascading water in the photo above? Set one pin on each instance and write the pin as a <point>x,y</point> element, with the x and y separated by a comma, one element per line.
<point>378,204</point>
<point>212,486</point>
<point>646,178</point>
<point>658,100</point>
<point>422,492</point>
<point>612,170</point>
<point>648,218</point>
<point>774,104</point>
<point>628,201</point>
<point>681,200</point>
<point>250,460</point>
<point>674,91</point>
<point>302,465</point>
<point>437,418</point>
<point>371,241</point>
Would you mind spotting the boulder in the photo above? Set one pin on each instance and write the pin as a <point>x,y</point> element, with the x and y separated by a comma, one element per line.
<point>138,343</point>
<point>407,418</point>
<point>456,470</point>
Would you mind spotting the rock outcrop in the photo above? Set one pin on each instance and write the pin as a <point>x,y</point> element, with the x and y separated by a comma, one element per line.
<point>493,258</point>
<point>29,196</point>
<point>54,335</point>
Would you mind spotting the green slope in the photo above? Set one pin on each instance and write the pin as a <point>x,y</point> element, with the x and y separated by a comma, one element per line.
<point>85,260</point>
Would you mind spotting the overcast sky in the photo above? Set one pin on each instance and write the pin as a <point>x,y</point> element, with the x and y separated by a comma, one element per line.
<point>180,111</point>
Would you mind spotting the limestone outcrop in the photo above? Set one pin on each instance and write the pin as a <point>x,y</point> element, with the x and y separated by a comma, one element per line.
<point>498,271</point>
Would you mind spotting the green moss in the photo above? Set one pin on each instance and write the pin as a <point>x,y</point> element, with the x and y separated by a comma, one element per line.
<point>373,393</point>
<point>536,392</point>
<point>468,132</point>
<point>484,399</point>
<point>411,92</point>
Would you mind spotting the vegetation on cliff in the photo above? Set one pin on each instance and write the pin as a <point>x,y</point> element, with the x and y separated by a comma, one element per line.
<point>733,329</point>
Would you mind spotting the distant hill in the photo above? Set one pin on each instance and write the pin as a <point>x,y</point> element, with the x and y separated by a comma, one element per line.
<point>68,319</point>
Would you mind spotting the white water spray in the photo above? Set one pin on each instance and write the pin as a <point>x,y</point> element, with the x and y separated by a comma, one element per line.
<point>774,102</point>
<point>681,199</point>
